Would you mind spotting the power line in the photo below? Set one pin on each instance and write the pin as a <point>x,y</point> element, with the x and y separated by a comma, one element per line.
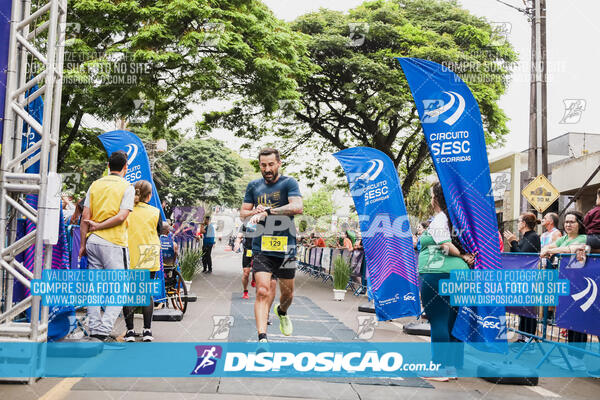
<point>526,11</point>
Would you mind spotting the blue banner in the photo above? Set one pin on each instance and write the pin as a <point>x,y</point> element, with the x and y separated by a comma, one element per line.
<point>525,262</point>
<point>5,13</point>
<point>138,164</point>
<point>580,311</point>
<point>385,228</point>
<point>452,125</point>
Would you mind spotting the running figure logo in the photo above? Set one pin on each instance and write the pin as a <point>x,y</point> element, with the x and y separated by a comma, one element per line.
<point>221,326</point>
<point>366,327</point>
<point>207,359</point>
<point>574,109</point>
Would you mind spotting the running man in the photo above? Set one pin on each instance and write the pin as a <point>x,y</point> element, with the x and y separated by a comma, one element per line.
<point>271,203</point>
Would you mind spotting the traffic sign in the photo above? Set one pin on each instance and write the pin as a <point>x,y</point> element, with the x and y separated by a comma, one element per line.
<point>540,193</point>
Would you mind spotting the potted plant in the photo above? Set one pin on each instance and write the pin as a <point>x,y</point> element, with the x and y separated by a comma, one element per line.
<point>341,276</point>
<point>190,263</point>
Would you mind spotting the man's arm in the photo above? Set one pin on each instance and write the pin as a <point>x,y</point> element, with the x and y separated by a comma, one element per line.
<point>248,210</point>
<point>83,228</point>
<point>109,223</point>
<point>294,207</point>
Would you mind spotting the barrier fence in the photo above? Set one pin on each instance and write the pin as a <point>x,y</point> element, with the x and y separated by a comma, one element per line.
<point>572,325</point>
<point>318,263</point>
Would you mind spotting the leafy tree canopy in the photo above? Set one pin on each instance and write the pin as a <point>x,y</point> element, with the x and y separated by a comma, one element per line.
<point>358,95</point>
<point>146,61</point>
<point>200,171</point>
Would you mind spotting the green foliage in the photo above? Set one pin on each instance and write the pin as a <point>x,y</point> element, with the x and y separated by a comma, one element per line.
<point>87,160</point>
<point>418,201</point>
<point>168,54</point>
<point>319,203</point>
<point>199,170</point>
<point>341,273</point>
<point>302,225</point>
<point>357,95</point>
<point>190,263</point>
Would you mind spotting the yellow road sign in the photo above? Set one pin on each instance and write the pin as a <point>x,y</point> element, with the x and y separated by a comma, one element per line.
<point>540,193</point>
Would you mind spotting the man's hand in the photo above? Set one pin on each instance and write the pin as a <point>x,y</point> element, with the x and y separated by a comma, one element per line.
<point>92,225</point>
<point>256,218</point>
<point>82,251</point>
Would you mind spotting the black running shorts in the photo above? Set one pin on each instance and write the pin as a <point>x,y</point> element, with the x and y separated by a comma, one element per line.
<point>282,268</point>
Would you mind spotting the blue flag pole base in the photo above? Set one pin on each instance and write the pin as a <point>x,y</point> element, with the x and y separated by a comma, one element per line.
<point>167,314</point>
<point>191,298</point>
<point>367,307</point>
<point>518,375</point>
<point>420,328</point>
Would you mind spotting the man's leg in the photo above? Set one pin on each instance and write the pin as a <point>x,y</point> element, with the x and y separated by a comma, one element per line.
<point>116,259</point>
<point>204,258</point>
<point>209,255</point>
<point>245,278</point>
<point>93,312</point>
<point>261,305</point>
<point>286,289</point>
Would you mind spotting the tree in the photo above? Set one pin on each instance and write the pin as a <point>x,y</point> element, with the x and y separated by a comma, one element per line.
<point>146,61</point>
<point>359,95</point>
<point>319,204</point>
<point>199,171</point>
<point>418,202</point>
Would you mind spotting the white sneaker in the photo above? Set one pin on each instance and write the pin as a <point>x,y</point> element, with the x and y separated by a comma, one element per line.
<point>147,335</point>
<point>129,336</point>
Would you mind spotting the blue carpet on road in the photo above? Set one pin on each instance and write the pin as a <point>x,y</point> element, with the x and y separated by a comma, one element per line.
<point>311,323</point>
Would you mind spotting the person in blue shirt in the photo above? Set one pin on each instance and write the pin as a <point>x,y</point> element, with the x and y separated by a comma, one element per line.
<point>168,248</point>
<point>208,242</point>
<point>271,203</point>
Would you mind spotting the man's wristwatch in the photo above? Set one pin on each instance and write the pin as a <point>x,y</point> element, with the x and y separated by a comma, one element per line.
<point>268,210</point>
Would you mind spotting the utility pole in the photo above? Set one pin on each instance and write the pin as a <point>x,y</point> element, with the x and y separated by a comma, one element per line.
<point>538,127</point>
<point>537,154</point>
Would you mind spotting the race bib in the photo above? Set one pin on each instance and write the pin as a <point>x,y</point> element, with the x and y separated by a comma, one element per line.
<point>248,253</point>
<point>274,243</point>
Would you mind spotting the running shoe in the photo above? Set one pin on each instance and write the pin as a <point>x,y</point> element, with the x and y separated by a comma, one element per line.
<point>147,335</point>
<point>253,283</point>
<point>285,324</point>
<point>129,336</point>
<point>245,296</point>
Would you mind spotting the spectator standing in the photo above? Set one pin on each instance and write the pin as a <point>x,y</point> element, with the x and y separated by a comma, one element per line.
<point>208,242</point>
<point>552,233</point>
<point>143,233</point>
<point>574,238</point>
<point>346,242</point>
<point>441,253</point>
<point>357,261</point>
<point>592,224</point>
<point>108,202</point>
<point>529,243</point>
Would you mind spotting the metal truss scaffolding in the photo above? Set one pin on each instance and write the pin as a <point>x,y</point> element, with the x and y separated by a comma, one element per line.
<point>36,56</point>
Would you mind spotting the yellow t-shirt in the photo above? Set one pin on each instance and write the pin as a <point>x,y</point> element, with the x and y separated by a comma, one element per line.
<point>144,242</point>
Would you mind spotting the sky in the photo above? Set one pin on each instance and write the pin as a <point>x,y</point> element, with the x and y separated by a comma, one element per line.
<point>573,58</point>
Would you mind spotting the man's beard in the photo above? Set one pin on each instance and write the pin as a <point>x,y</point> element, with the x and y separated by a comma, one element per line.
<point>271,177</point>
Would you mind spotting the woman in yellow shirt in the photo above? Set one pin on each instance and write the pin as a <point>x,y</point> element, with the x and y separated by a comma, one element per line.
<point>143,233</point>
